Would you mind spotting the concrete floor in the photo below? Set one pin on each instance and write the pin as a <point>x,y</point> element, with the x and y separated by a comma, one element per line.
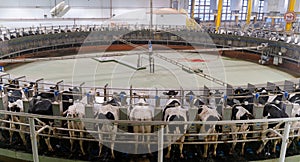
<point>167,75</point>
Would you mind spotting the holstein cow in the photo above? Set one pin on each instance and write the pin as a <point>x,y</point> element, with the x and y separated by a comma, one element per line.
<point>141,112</point>
<point>272,110</point>
<point>268,96</point>
<point>295,127</point>
<point>242,109</point>
<point>43,107</point>
<point>275,110</point>
<point>206,113</point>
<point>77,110</point>
<point>108,111</point>
<point>15,104</point>
<point>294,98</point>
<point>173,111</point>
<point>42,104</point>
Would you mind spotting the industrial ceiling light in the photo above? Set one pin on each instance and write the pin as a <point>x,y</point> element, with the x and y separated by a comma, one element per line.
<point>60,9</point>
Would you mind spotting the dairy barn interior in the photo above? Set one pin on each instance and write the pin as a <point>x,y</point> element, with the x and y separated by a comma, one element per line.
<point>150,80</point>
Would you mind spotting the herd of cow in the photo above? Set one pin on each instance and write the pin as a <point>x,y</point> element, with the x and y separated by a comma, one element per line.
<point>73,106</point>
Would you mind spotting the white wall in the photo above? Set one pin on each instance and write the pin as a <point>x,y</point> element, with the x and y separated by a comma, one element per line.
<point>99,9</point>
<point>170,19</point>
<point>297,6</point>
<point>275,5</point>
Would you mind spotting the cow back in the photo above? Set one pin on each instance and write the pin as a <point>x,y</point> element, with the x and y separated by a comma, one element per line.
<point>172,127</point>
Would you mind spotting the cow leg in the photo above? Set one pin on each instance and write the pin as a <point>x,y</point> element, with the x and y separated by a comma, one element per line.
<point>262,146</point>
<point>47,141</point>
<point>71,134</point>
<point>22,135</point>
<point>11,132</point>
<point>244,136</point>
<point>169,152</point>
<point>81,141</point>
<point>243,144</point>
<point>100,142</point>
<point>205,148</point>
<point>112,146</point>
<point>274,146</point>
<point>22,128</point>
<point>148,140</point>
<point>168,155</point>
<point>181,146</point>
<point>234,138</point>
<point>215,145</point>
<point>136,130</point>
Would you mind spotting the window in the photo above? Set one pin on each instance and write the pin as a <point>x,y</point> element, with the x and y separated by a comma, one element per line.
<point>202,10</point>
<point>260,14</point>
<point>243,11</point>
<point>204,13</point>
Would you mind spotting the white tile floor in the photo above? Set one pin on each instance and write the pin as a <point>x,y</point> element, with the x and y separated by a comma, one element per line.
<point>167,75</point>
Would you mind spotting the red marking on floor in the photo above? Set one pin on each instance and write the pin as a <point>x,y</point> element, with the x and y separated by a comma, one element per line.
<point>196,60</point>
<point>192,60</point>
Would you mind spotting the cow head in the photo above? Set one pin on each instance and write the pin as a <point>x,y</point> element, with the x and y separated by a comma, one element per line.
<point>171,93</point>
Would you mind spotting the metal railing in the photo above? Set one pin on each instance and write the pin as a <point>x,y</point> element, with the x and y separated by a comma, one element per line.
<point>159,138</point>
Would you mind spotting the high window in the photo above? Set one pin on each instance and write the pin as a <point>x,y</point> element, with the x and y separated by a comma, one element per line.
<point>260,14</point>
<point>203,12</point>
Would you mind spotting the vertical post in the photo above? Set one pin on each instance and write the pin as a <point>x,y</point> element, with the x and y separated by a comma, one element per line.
<point>181,95</point>
<point>111,8</point>
<point>151,14</point>
<point>33,141</point>
<point>291,8</point>
<point>157,99</point>
<point>272,21</point>
<point>160,144</point>
<point>130,96</point>
<point>219,16</point>
<point>285,141</point>
<point>139,61</point>
<point>193,9</point>
<point>249,10</point>
<point>105,92</point>
<point>151,59</point>
<point>236,19</point>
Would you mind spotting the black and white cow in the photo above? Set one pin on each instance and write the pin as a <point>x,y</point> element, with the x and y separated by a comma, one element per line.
<point>272,110</point>
<point>268,96</point>
<point>43,107</point>
<point>108,111</point>
<point>15,104</point>
<point>141,112</point>
<point>206,113</point>
<point>295,97</point>
<point>242,109</point>
<point>173,111</point>
<point>42,104</point>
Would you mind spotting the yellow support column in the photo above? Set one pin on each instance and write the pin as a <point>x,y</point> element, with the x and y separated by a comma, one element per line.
<point>249,11</point>
<point>219,16</point>
<point>193,9</point>
<point>291,8</point>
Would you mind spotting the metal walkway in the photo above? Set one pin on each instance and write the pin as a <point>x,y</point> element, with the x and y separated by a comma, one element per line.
<point>124,63</point>
<point>190,70</point>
